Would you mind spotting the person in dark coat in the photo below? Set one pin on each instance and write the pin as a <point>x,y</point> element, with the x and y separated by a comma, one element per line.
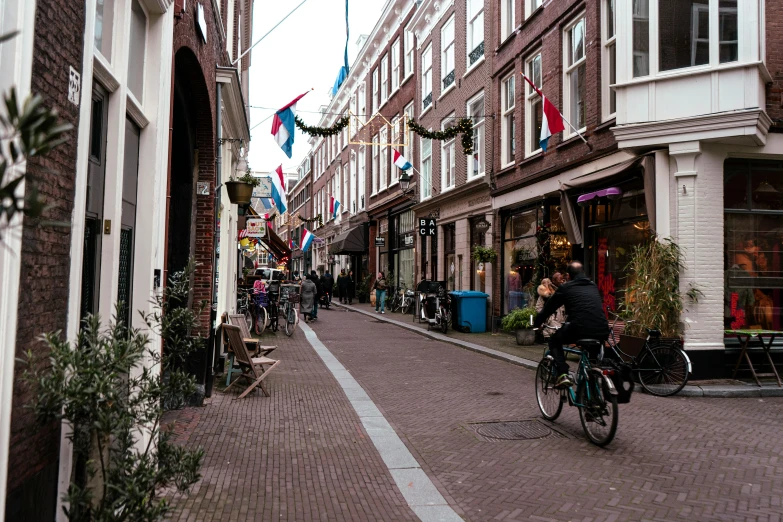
<point>585,313</point>
<point>314,278</point>
<point>350,287</point>
<point>327,284</point>
<point>342,285</point>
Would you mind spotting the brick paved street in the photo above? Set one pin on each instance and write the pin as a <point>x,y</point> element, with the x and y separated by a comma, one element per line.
<point>303,454</point>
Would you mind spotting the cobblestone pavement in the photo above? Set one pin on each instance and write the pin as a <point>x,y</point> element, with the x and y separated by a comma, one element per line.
<point>302,454</point>
<point>673,459</point>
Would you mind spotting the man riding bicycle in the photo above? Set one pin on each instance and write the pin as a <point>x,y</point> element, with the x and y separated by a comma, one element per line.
<point>585,317</point>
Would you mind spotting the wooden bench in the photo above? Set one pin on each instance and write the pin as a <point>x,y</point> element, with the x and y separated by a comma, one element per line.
<point>253,369</point>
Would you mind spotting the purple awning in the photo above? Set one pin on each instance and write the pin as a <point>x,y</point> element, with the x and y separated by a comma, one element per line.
<point>611,193</point>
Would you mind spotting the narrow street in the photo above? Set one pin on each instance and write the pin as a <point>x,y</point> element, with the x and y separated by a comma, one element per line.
<point>305,454</point>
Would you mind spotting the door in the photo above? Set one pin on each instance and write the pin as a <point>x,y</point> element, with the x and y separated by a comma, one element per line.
<point>130,178</point>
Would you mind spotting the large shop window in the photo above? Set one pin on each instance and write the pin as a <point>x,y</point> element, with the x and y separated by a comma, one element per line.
<point>449,259</point>
<point>753,244</point>
<point>534,246</point>
<point>404,253</point>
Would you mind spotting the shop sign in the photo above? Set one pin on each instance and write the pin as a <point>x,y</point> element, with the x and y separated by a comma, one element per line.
<point>407,239</point>
<point>255,227</point>
<point>264,188</point>
<point>427,226</point>
<point>380,242</point>
<point>481,226</point>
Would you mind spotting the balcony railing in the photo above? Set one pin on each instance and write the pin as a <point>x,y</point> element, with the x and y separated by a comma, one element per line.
<point>427,101</point>
<point>476,53</point>
<point>448,80</point>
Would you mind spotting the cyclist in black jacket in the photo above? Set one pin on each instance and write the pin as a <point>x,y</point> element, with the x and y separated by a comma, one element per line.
<point>585,317</point>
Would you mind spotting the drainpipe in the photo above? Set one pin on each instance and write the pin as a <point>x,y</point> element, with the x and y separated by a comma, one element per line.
<point>210,348</point>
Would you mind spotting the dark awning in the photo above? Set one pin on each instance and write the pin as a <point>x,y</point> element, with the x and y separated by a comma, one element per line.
<point>605,176</point>
<point>350,242</point>
<point>274,244</point>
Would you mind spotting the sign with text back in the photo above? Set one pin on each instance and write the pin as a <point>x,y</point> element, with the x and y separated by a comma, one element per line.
<point>427,226</point>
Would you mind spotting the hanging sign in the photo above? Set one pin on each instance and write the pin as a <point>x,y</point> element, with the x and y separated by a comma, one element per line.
<point>427,226</point>
<point>380,241</point>
<point>407,240</point>
<point>481,226</point>
<point>264,188</point>
<point>256,227</point>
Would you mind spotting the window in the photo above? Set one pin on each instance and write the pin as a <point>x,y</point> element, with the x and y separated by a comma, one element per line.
<point>476,113</point>
<point>609,61</point>
<point>395,136</point>
<point>375,86</point>
<point>534,107</point>
<point>345,190</point>
<point>362,112</point>
<point>683,44</point>
<point>395,65</point>
<point>361,178</point>
<point>426,168</point>
<point>375,165</point>
<point>507,18</point>
<point>409,50</point>
<point>507,128</point>
<point>641,38</point>
<point>475,31</point>
<point>447,58</point>
<point>532,5</point>
<point>575,72</point>
<point>104,27</point>
<point>447,159</point>
<point>727,31</point>
<point>384,78</point>
<point>344,137</point>
<point>426,77</point>
<point>138,39</point>
<point>407,150</point>
<point>384,155</point>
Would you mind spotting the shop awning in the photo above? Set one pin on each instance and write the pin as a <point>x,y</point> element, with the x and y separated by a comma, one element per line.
<point>583,184</point>
<point>274,244</point>
<point>350,242</point>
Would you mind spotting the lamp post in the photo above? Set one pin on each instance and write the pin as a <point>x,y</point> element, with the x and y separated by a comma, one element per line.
<point>405,182</point>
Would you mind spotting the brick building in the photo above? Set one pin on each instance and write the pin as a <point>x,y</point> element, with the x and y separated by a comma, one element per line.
<point>123,72</point>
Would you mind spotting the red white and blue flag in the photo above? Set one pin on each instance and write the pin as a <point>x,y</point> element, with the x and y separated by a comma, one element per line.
<point>283,126</point>
<point>333,206</point>
<point>307,239</point>
<point>401,162</point>
<point>278,190</point>
<point>552,120</point>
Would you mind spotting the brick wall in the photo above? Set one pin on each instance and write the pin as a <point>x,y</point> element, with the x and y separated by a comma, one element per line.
<point>774,58</point>
<point>43,299</point>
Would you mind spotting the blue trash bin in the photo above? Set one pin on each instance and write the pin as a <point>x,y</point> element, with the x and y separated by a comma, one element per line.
<point>471,308</point>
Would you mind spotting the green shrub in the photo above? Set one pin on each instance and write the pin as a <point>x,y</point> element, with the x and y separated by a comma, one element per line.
<point>518,319</point>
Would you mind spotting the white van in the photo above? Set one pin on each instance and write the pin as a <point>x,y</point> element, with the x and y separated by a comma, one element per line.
<point>268,274</point>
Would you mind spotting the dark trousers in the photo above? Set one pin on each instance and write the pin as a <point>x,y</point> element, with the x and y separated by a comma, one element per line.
<point>567,335</point>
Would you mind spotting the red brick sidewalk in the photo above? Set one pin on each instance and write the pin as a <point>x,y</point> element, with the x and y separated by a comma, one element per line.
<point>301,454</point>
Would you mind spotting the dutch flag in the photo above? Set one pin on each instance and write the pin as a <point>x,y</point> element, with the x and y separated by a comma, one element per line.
<point>552,121</point>
<point>278,190</point>
<point>333,206</point>
<point>283,126</point>
<point>307,239</point>
<point>401,162</point>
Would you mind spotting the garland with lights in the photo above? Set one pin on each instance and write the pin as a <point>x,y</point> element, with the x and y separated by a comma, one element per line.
<point>464,127</point>
<point>322,132</point>
<point>319,219</point>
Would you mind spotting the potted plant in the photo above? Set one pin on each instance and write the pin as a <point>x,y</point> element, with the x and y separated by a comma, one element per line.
<point>240,190</point>
<point>363,292</point>
<point>520,321</point>
<point>652,297</point>
<point>484,255</point>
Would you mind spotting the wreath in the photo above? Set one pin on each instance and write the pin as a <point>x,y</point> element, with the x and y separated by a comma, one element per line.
<point>317,219</point>
<point>464,127</point>
<point>322,132</point>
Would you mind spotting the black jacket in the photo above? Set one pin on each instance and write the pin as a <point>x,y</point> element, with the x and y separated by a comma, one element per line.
<point>583,307</point>
<point>327,282</point>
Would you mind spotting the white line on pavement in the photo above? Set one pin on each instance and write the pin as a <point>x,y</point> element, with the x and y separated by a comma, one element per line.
<point>416,487</point>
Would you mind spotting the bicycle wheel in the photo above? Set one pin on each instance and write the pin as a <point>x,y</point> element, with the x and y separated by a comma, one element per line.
<point>550,400</point>
<point>291,319</point>
<point>274,315</point>
<point>444,320</point>
<point>598,413</point>
<point>248,319</point>
<point>261,318</point>
<point>663,370</point>
<point>405,306</point>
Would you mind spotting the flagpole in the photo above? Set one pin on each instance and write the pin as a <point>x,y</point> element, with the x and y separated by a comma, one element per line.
<point>561,114</point>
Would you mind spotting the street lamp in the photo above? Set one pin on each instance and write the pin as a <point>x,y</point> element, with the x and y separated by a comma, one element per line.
<point>405,181</point>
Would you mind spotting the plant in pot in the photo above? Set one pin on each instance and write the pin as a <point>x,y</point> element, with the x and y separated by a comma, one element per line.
<point>652,297</point>
<point>240,190</point>
<point>484,255</point>
<point>520,321</point>
<point>363,292</point>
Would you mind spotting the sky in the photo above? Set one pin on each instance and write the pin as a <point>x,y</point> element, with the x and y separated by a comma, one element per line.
<point>305,52</point>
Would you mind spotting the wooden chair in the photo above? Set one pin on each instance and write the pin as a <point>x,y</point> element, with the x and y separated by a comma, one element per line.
<point>252,344</point>
<point>254,369</point>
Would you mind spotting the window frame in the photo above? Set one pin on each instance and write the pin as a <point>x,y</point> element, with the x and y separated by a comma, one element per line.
<point>375,91</point>
<point>383,174</point>
<point>507,19</point>
<point>426,162</point>
<point>506,113</point>
<point>448,152</point>
<point>471,21</point>
<point>569,69</point>
<point>448,48</point>
<point>479,129</point>
<point>426,77</point>
<point>408,50</point>
<point>608,45</point>
<point>375,165</point>
<point>384,80</point>
<point>531,97</point>
<point>407,149</point>
<point>395,67</point>
<point>531,6</point>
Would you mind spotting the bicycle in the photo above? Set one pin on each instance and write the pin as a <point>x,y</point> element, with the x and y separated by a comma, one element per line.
<point>593,394</point>
<point>661,368</point>
<point>261,301</point>
<point>289,297</point>
<point>244,304</point>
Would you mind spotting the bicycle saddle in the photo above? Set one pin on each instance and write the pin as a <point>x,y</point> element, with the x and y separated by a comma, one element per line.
<point>587,342</point>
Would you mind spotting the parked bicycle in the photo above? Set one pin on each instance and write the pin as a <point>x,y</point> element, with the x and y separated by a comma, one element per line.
<point>289,298</point>
<point>402,300</point>
<point>594,393</point>
<point>245,306</point>
<point>661,367</point>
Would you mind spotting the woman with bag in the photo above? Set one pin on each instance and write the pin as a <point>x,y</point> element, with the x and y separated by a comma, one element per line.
<point>380,292</point>
<point>545,290</point>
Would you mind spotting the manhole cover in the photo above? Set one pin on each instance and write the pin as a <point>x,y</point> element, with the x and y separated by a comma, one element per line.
<point>514,430</point>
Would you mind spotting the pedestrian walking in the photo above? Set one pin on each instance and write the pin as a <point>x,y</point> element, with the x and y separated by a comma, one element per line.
<point>380,292</point>
<point>327,285</point>
<point>545,291</point>
<point>350,287</point>
<point>307,304</point>
<point>316,281</point>
<point>342,284</point>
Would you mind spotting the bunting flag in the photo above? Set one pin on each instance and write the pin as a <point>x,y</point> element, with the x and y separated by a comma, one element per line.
<point>278,190</point>
<point>307,239</point>
<point>552,120</point>
<point>283,126</point>
<point>333,206</point>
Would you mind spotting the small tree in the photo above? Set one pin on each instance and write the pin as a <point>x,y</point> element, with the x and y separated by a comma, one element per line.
<point>111,389</point>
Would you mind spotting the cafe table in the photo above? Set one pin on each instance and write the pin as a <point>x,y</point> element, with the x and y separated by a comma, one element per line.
<point>744,337</point>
